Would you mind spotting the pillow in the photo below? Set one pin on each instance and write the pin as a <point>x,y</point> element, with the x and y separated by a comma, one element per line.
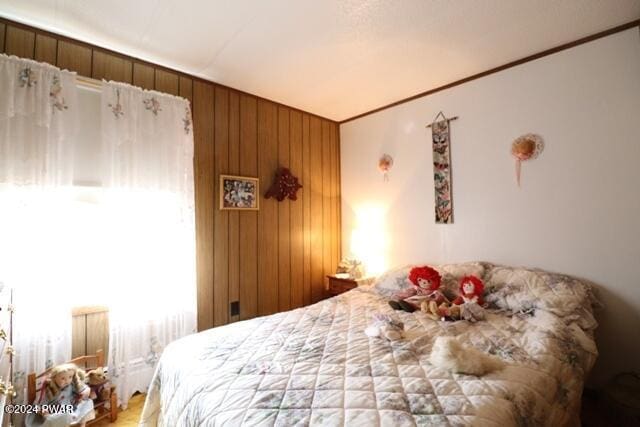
<point>528,290</point>
<point>393,281</point>
<point>452,273</point>
<point>397,279</point>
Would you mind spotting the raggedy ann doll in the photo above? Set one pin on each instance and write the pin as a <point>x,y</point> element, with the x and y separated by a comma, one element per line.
<point>426,284</point>
<point>64,386</point>
<point>470,299</point>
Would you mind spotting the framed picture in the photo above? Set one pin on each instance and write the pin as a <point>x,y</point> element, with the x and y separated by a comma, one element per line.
<point>239,192</point>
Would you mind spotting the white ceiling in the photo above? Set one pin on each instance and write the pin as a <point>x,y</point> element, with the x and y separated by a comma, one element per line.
<point>334,58</point>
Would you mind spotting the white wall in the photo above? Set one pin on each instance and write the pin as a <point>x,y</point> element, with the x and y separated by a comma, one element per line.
<point>578,210</point>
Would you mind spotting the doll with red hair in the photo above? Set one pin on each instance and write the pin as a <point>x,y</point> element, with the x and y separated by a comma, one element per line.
<point>470,299</point>
<point>426,284</point>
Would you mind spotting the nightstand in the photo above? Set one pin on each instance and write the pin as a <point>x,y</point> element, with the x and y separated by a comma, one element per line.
<point>337,285</point>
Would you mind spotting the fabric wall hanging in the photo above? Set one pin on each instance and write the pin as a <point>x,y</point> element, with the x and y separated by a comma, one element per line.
<point>441,137</point>
<point>526,147</point>
<point>284,185</point>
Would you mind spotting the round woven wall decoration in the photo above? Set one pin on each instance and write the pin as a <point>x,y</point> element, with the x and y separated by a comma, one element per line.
<point>384,164</point>
<point>526,147</point>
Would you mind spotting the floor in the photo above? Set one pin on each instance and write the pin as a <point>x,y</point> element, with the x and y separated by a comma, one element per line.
<point>598,410</point>
<point>591,413</point>
<point>130,416</point>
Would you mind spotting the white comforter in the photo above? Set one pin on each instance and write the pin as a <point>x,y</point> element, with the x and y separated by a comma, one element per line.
<point>315,366</point>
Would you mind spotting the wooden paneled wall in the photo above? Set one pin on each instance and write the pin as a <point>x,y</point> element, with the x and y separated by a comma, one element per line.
<point>269,260</point>
<point>90,331</point>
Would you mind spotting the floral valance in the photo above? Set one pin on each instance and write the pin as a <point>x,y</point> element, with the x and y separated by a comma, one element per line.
<point>35,89</point>
<point>147,137</point>
<point>38,122</point>
<point>123,99</point>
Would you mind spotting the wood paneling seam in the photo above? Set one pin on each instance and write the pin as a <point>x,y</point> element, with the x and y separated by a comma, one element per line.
<point>291,284</point>
<point>322,235</point>
<point>258,214</point>
<point>277,140</point>
<point>229,215</point>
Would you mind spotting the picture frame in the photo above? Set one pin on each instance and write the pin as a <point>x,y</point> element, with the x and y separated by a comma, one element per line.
<point>239,193</point>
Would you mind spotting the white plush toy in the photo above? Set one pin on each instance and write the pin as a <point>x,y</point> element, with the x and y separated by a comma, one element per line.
<point>448,353</point>
<point>385,326</point>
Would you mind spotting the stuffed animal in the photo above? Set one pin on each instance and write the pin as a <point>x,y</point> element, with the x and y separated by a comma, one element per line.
<point>385,326</point>
<point>448,353</point>
<point>99,385</point>
<point>470,299</point>
<point>426,284</point>
<point>444,311</point>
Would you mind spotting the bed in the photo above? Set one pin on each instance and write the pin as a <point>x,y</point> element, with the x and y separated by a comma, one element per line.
<point>315,366</point>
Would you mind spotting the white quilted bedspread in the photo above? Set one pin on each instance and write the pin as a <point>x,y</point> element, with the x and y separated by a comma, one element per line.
<point>315,366</point>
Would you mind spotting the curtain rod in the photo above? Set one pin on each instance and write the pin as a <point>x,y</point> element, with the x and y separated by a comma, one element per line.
<point>448,120</point>
<point>88,82</point>
<point>97,85</point>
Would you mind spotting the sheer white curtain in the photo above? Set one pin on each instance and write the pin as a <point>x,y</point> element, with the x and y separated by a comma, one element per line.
<point>37,126</point>
<point>127,241</point>
<point>148,229</point>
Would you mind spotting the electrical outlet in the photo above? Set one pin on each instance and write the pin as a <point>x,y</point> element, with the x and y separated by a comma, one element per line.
<point>235,308</point>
